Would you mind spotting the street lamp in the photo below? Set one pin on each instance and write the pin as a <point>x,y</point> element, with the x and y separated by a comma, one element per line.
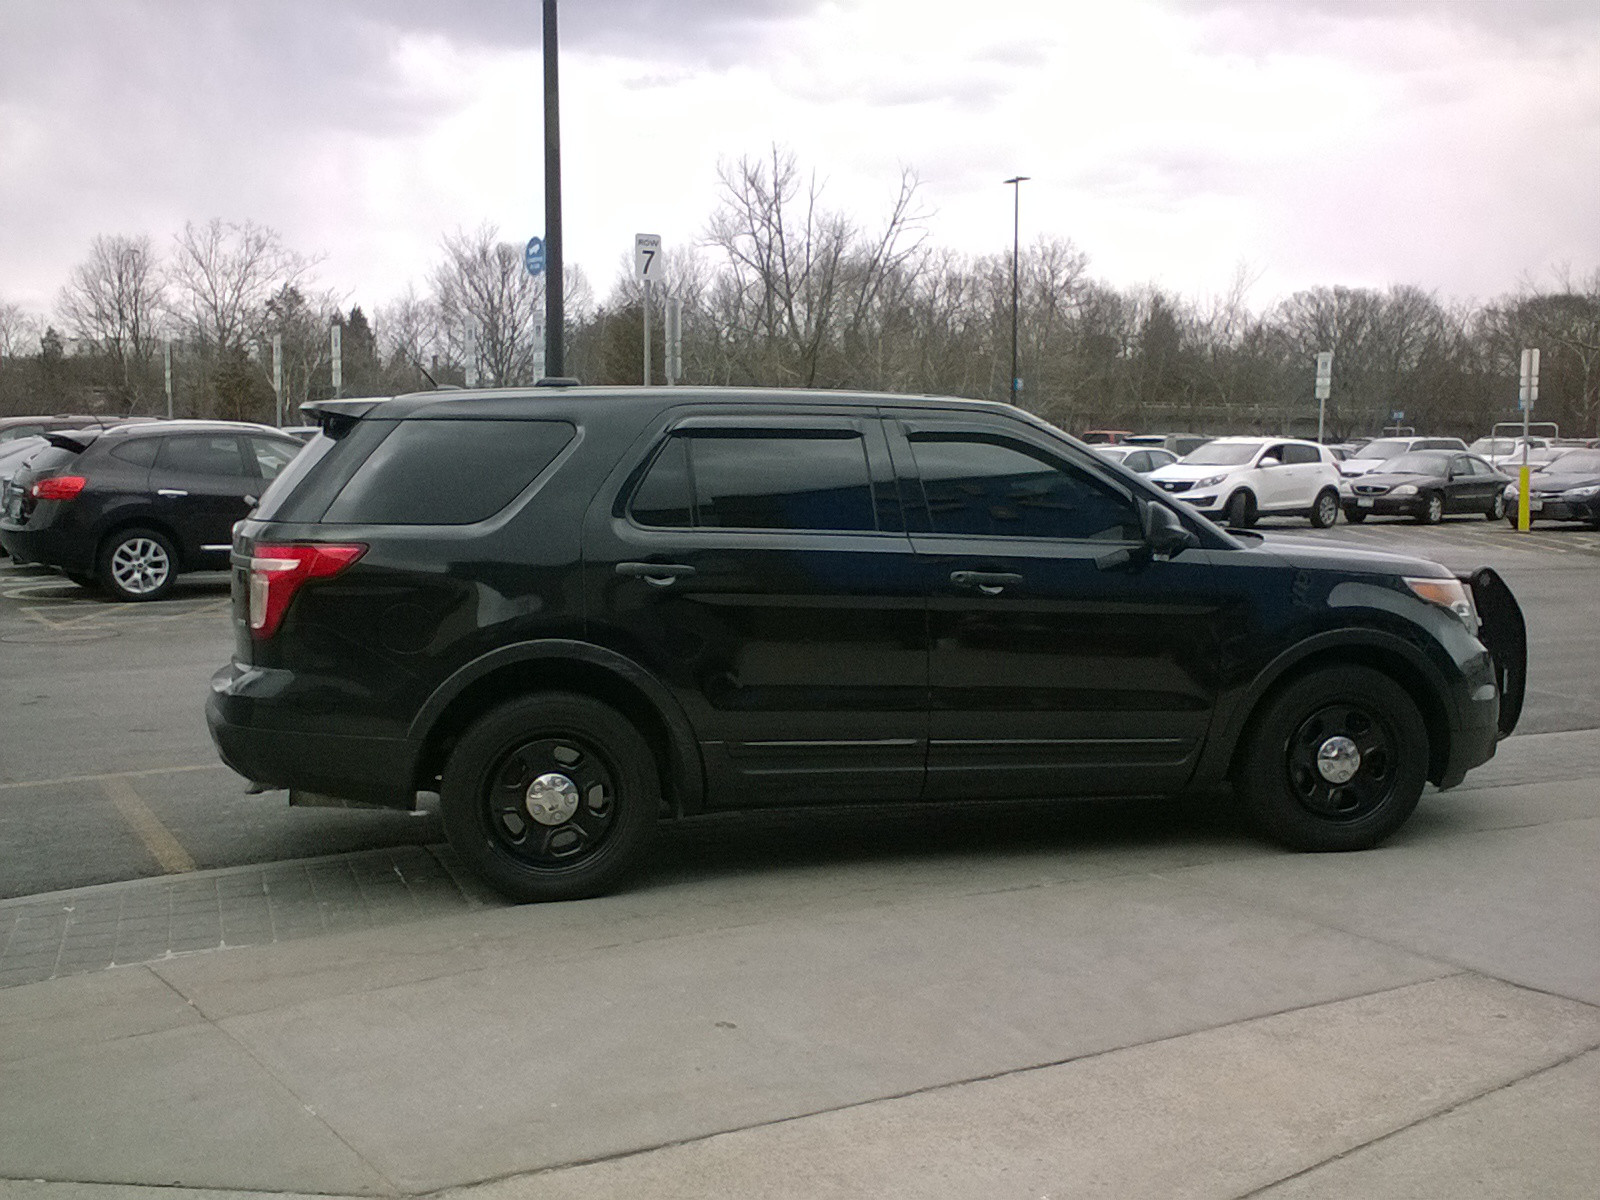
<point>1016,235</point>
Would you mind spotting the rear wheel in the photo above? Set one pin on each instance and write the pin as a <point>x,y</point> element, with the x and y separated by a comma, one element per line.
<point>1336,760</point>
<point>138,564</point>
<point>551,797</point>
<point>1241,510</point>
<point>1326,510</point>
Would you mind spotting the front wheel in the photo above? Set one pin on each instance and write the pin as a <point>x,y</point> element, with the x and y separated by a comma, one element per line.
<point>1497,508</point>
<point>1240,511</point>
<point>138,564</point>
<point>1326,510</point>
<point>1432,509</point>
<point>1336,760</point>
<point>1355,515</point>
<point>551,797</point>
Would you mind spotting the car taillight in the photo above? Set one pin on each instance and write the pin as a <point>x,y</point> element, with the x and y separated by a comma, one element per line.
<point>62,487</point>
<point>276,573</point>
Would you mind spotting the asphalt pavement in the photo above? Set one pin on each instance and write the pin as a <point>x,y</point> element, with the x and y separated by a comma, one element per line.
<point>1024,1000</point>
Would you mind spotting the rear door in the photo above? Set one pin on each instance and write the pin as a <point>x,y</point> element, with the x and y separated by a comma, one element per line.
<point>198,484</point>
<point>1063,660</point>
<point>758,564</point>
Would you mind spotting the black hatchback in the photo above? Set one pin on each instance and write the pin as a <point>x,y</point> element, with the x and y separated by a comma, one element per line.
<point>130,507</point>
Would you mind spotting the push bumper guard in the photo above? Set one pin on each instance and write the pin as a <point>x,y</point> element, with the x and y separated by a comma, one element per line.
<point>1505,635</point>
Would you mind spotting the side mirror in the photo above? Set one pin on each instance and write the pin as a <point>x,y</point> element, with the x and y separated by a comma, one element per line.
<point>1164,531</point>
<point>1270,460</point>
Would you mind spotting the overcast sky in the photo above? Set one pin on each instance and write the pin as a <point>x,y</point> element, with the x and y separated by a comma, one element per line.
<point>1453,144</point>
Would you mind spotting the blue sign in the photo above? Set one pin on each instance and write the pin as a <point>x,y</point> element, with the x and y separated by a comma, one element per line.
<point>533,256</point>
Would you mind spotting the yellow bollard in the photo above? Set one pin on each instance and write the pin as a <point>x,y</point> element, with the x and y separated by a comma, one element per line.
<point>1523,519</point>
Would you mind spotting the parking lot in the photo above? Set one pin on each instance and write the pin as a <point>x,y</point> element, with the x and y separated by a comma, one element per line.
<point>1020,1000</point>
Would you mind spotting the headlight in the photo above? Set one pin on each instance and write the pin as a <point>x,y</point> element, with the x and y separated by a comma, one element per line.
<point>1581,493</point>
<point>1450,594</point>
<point>1209,481</point>
<point>1511,492</point>
<point>1405,489</point>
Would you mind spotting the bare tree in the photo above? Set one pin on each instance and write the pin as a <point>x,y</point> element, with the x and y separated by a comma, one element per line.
<point>114,300</point>
<point>482,292</point>
<point>222,276</point>
<point>19,330</point>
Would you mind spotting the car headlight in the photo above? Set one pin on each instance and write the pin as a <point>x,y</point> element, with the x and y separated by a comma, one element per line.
<point>1581,493</point>
<point>1209,481</point>
<point>1448,594</point>
<point>1405,489</point>
<point>1511,491</point>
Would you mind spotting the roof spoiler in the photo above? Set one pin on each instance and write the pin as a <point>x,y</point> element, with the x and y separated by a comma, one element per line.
<point>75,440</point>
<point>336,417</point>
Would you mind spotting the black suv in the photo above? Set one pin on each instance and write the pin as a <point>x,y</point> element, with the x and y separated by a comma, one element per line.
<point>131,506</point>
<point>573,610</point>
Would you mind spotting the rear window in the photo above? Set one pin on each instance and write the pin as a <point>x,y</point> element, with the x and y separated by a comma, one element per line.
<point>446,472</point>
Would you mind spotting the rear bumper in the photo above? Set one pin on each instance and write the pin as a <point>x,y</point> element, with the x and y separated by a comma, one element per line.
<point>51,546</point>
<point>266,744</point>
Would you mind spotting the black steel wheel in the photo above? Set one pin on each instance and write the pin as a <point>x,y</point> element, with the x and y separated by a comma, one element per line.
<point>138,564</point>
<point>551,797</point>
<point>1241,510</point>
<point>1432,510</point>
<point>1336,760</point>
<point>1326,510</point>
<point>1497,508</point>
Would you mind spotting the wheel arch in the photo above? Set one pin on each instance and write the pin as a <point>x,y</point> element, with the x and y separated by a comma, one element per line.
<point>123,521</point>
<point>567,666</point>
<point>1387,655</point>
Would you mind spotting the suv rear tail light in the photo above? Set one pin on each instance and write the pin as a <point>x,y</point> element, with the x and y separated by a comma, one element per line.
<point>276,573</point>
<point>62,487</point>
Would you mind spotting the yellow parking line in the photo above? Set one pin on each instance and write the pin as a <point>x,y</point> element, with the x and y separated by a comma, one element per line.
<point>157,838</point>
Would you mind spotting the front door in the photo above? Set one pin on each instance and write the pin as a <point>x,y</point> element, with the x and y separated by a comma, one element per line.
<point>1063,658</point>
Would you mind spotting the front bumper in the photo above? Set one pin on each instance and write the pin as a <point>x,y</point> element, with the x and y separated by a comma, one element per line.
<point>269,745</point>
<point>1384,506</point>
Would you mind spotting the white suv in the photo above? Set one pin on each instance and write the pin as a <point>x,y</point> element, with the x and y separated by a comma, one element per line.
<point>1240,479</point>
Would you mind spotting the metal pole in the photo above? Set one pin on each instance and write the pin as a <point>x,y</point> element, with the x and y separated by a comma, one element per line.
<point>1016,244</point>
<point>166,359</point>
<point>555,361</point>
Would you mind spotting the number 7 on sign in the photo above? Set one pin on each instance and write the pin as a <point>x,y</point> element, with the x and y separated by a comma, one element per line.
<point>645,248</point>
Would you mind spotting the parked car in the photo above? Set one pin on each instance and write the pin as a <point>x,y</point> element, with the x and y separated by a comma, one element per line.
<point>14,456</point>
<point>1506,452</point>
<point>1142,459</point>
<point>130,507</point>
<point>1567,489</point>
<point>1429,485</point>
<point>1105,437</point>
<point>1379,451</point>
<point>1240,479</point>
<point>1179,443</point>
<point>575,611</point>
<point>32,426</point>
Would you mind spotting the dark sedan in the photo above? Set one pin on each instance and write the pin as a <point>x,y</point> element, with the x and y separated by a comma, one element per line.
<point>1428,485</point>
<point>1568,489</point>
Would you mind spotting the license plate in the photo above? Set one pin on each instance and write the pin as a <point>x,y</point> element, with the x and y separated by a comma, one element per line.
<point>1535,504</point>
<point>1363,503</point>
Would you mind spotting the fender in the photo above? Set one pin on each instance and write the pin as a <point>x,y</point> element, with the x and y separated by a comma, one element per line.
<point>684,750</point>
<point>1235,710</point>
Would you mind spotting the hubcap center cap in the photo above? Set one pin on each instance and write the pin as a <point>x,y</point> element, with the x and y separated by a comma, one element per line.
<point>1338,760</point>
<point>552,799</point>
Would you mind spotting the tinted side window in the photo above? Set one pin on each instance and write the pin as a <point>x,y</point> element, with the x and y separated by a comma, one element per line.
<point>797,481</point>
<point>447,472</point>
<point>271,456</point>
<point>990,488</point>
<point>663,495</point>
<point>1301,454</point>
<point>141,452</point>
<point>201,454</point>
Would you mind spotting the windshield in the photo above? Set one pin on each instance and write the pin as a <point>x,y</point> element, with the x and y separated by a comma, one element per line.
<point>1579,462</point>
<point>1423,462</point>
<point>1382,448</point>
<point>1222,454</point>
<point>1492,446</point>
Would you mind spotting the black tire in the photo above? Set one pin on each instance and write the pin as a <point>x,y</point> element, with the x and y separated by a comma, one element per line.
<point>1282,785</point>
<point>138,564</point>
<point>88,582</point>
<point>603,780</point>
<point>1240,511</point>
<point>1432,510</point>
<point>1355,515</point>
<point>1497,508</point>
<point>1325,511</point>
<point>1511,520</point>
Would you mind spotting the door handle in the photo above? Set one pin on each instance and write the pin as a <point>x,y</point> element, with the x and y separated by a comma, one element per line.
<point>656,574</point>
<point>171,492</point>
<point>990,583</point>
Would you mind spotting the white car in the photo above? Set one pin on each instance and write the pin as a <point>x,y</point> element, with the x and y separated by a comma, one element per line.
<point>1239,479</point>
<point>1506,452</point>
<point>1375,453</point>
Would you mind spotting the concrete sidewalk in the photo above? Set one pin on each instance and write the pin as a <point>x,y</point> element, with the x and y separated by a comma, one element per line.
<point>1084,1008</point>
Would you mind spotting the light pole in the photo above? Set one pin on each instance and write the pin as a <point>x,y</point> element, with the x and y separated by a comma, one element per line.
<point>555,362</point>
<point>1016,238</point>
